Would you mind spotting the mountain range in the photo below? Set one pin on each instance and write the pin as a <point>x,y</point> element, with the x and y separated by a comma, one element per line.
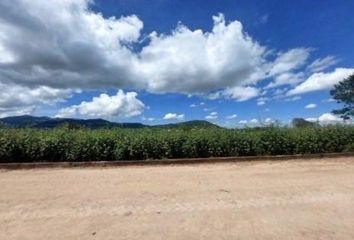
<point>47,122</point>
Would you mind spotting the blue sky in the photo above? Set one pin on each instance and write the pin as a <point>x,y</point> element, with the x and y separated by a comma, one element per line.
<point>229,62</point>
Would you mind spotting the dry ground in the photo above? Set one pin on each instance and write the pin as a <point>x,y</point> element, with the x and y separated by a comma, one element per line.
<point>298,199</point>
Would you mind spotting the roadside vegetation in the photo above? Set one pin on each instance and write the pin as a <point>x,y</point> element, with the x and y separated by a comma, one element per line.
<point>79,144</point>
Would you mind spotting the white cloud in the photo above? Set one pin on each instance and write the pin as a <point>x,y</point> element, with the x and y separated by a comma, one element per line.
<point>67,112</point>
<point>286,78</point>
<point>63,45</point>
<point>284,65</point>
<point>121,105</point>
<point>78,47</point>
<point>16,95</point>
<point>243,122</point>
<point>240,94</point>
<point>254,121</point>
<point>293,99</point>
<point>231,116</point>
<point>311,119</point>
<point>322,81</point>
<point>20,100</point>
<point>326,118</point>
<point>279,91</point>
<point>212,115</point>
<point>321,64</point>
<point>290,60</point>
<point>16,111</point>
<point>150,119</point>
<point>268,120</point>
<point>197,105</point>
<point>329,100</point>
<point>201,61</point>
<point>173,116</point>
<point>311,105</point>
<point>262,101</point>
<point>209,117</point>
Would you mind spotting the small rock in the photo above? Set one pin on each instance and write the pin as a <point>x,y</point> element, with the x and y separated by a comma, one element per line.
<point>224,190</point>
<point>128,213</point>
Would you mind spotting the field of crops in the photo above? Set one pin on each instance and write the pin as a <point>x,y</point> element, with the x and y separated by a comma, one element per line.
<point>63,144</point>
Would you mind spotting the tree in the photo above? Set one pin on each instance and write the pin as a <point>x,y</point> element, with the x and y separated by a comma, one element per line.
<point>343,92</point>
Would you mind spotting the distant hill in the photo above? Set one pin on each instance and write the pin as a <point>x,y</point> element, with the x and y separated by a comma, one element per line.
<point>47,122</point>
<point>189,124</point>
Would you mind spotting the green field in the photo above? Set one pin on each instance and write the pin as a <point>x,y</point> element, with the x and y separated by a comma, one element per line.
<point>65,144</point>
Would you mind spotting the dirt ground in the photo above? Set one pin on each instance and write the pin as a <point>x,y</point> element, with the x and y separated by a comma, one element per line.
<point>296,199</point>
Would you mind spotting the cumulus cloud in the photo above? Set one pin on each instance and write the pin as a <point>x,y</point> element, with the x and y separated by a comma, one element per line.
<point>13,95</point>
<point>21,100</point>
<point>311,105</point>
<point>329,118</point>
<point>254,121</point>
<point>238,93</point>
<point>321,81</point>
<point>243,122</point>
<point>261,103</point>
<point>201,61</point>
<point>65,45</point>
<point>326,118</point>
<point>212,115</point>
<point>231,116</point>
<point>241,93</point>
<point>173,116</point>
<point>268,120</point>
<point>121,105</point>
<point>16,111</point>
<point>72,46</point>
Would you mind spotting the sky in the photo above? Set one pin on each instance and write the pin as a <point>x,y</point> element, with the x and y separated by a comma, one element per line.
<point>233,63</point>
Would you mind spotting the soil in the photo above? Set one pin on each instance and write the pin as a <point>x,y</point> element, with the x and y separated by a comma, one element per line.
<point>295,199</point>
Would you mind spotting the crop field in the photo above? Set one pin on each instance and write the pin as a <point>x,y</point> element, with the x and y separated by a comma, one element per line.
<point>63,144</point>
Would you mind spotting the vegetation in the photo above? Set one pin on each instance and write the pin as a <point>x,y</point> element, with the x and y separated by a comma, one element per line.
<point>343,92</point>
<point>79,144</point>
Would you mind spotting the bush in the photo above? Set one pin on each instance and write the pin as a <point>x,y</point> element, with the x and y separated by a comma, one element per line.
<point>77,144</point>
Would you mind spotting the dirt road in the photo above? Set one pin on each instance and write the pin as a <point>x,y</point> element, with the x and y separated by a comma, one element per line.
<point>298,199</point>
